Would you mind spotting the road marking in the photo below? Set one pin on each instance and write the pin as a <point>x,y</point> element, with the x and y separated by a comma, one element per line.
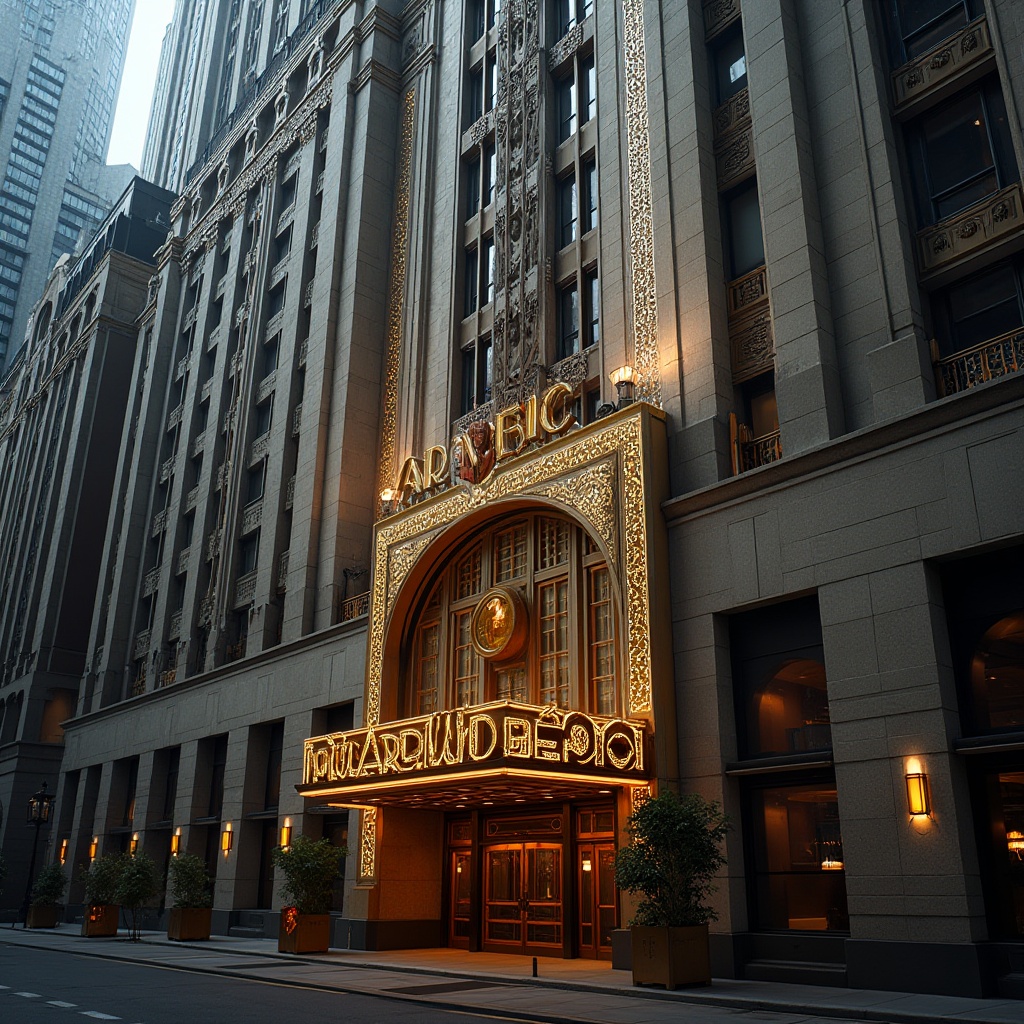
<point>61,1004</point>
<point>5,987</point>
<point>28,995</point>
<point>98,1015</point>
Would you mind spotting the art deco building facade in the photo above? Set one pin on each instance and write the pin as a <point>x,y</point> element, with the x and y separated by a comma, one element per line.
<point>60,70</point>
<point>390,559</point>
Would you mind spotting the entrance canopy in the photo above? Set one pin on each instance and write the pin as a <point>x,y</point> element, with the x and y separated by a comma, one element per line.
<point>500,753</point>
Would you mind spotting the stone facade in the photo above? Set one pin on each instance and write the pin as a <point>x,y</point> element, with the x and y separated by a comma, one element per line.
<point>428,213</point>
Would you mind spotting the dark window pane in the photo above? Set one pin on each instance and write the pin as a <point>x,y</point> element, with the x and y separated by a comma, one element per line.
<point>491,164</point>
<point>568,321</point>
<point>566,109</point>
<point>730,67</point>
<point>487,273</point>
<point>593,300</point>
<point>566,211</point>
<point>982,308</point>
<point>746,246</point>
<point>472,187</point>
<point>958,156</point>
<point>468,372</point>
<point>471,282</point>
<point>589,196</point>
<point>925,23</point>
<point>588,89</point>
<point>484,371</point>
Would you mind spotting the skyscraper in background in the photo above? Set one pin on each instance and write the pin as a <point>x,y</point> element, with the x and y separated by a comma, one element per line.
<point>60,70</point>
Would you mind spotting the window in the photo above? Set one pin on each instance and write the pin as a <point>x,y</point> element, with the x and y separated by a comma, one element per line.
<point>571,656</point>
<point>270,355</point>
<point>588,89</point>
<point>249,551</point>
<point>566,211</point>
<point>920,25</point>
<point>491,169</point>
<point>472,187</point>
<point>254,483</point>
<point>487,273</point>
<point>566,105</point>
<point>592,305</point>
<point>960,153</point>
<point>475,95</point>
<point>264,417</point>
<point>729,65</point>
<point>477,370</point>
<point>568,321</point>
<point>980,308</point>
<point>471,284</point>
<point>275,300</point>
<point>744,241</point>
<point>589,179</point>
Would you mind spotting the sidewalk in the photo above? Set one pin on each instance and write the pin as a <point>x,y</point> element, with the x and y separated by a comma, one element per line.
<point>573,990</point>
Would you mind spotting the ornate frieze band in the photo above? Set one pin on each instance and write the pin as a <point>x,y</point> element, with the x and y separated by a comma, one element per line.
<point>396,299</point>
<point>641,208</point>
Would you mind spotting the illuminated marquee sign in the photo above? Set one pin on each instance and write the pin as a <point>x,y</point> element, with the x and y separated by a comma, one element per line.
<point>503,735</point>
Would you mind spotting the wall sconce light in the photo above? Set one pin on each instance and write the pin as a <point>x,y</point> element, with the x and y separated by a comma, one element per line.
<point>1015,843</point>
<point>587,864</point>
<point>176,842</point>
<point>227,838</point>
<point>286,834</point>
<point>917,789</point>
<point>134,844</point>
<point>458,868</point>
<point>623,379</point>
<point>63,851</point>
<point>94,845</point>
<point>387,501</point>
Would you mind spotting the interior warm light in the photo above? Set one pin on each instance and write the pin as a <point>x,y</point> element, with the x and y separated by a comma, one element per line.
<point>63,850</point>
<point>227,838</point>
<point>286,834</point>
<point>917,788</point>
<point>1014,843</point>
<point>830,864</point>
<point>94,845</point>
<point>587,864</point>
<point>176,842</point>
<point>133,846</point>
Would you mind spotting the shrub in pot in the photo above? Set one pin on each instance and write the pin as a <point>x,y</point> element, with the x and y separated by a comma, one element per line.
<point>310,868</point>
<point>101,907</point>
<point>46,894</point>
<point>193,899</point>
<point>673,855</point>
<point>138,883</point>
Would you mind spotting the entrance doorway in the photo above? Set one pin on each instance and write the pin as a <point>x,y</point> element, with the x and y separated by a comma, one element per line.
<point>596,888</point>
<point>523,904</point>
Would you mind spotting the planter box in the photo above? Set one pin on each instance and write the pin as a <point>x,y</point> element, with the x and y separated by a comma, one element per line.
<point>304,933</point>
<point>44,916</point>
<point>189,924</point>
<point>100,920</point>
<point>671,956</point>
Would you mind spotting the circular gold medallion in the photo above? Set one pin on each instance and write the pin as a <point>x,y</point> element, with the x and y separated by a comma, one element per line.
<point>499,623</point>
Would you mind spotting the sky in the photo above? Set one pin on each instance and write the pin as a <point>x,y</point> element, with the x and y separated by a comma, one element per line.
<point>132,112</point>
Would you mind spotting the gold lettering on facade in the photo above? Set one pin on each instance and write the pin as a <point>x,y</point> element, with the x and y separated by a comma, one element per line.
<point>411,478</point>
<point>435,467</point>
<point>550,421</point>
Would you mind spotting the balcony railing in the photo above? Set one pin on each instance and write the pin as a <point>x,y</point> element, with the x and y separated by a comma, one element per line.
<point>355,606</point>
<point>984,362</point>
<point>174,627</point>
<point>151,582</point>
<point>749,452</point>
<point>245,588</point>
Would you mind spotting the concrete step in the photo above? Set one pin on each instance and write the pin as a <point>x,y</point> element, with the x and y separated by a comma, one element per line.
<point>800,972</point>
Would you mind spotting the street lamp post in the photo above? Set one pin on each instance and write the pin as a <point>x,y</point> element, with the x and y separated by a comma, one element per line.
<point>39,804</point>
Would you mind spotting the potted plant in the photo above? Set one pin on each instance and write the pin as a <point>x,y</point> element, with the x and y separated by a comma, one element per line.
<point>101,908</point>
<point>673,854</point>
<point>310,867</point>
<point>46,894</point>
<point>193,900</point>
<point>138,883</point>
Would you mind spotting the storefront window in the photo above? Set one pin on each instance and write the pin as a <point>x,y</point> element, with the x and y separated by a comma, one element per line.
<point>799,873</point>
<point>788,712</point>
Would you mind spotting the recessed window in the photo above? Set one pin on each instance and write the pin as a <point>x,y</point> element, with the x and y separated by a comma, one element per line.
<point>487,272</point>
<point>471,284</point>
<point>980,308</point>
<point>472,187</point>
<point>960,153</point>
<point>920,25</point>
<point>588,89</point>
<point>566,211</point>
<point>254,482</point>
<point>743,231</point>
<point>729,65</point>
<point>592,308</point>
<point>566,106</point>
<point>474,95</point>
<point>249,550</point>
<point>568,320</point>
<point>589,211</point>
<point>264,417</point>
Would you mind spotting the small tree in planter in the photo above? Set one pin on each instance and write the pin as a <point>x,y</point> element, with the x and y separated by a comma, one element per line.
<point>310,868</point>
<point>193,899</point>
<point>672,857</point>
<point>101,907</point>
<point>46,894</point>
<point>138,884</point>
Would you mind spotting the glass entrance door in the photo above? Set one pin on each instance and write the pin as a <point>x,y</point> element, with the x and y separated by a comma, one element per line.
<point>523,898</point>
<point>460,889</point>
<point>596,881</point>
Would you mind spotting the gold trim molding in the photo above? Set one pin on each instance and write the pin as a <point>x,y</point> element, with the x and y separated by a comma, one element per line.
<point>641,208</point>
<point>597,473</point>
<point>396,300</point>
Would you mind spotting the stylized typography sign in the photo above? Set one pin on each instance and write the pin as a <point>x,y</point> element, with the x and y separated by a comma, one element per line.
<point>504,734</point>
